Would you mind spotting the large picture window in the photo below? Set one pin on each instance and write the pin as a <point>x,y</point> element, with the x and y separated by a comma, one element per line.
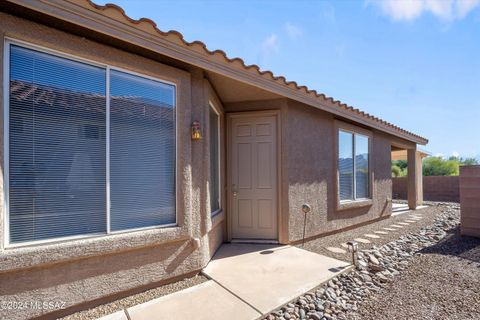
<point>214,181</point>
<point>90,149</point>
<point>142,152</point>
<point>353,166</point>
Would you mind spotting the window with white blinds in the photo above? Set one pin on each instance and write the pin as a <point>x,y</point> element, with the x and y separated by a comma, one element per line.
<point>57,116</point>
<point>361,167</point>
<point>214,181</point>
<point>142,152</point>
<point>345,165</point>
<point>353,166</point>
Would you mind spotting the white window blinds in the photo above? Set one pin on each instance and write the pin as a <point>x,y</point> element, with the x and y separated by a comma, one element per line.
<point>361,167</point>
<point>345,165</point>
<point>59,180</point>
<point>353,166</point>
<point>56,147</point>
<point>142,152</point>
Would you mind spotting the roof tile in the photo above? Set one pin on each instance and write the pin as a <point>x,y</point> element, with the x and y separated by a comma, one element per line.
<point>264,73</point>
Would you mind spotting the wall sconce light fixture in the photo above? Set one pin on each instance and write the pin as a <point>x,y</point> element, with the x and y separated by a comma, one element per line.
<point>196,132</point>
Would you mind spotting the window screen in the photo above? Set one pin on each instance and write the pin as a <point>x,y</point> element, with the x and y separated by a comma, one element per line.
<point>142,152</point>
<point>353,166</point>
<point>214,163</point>
<point>58,114</point>
<point>345,165</point>
<point>56,147</point>
<point>361,167</point>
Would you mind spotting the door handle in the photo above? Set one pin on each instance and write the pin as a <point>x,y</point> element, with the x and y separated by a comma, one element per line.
<point>234,191</point>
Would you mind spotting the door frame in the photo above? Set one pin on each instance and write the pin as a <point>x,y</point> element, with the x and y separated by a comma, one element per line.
<point>248,114</point>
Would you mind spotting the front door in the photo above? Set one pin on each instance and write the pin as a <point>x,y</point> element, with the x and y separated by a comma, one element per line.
<point>253,176</point>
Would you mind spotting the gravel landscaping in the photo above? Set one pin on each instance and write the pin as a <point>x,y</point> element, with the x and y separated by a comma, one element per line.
<point>421,270</point>
<point>130,301</point>
<point>431,273</point>
<point>428,215</point>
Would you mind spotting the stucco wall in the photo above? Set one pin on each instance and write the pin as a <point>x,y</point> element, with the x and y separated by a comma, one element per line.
<point>84,270</point>
<point>311,161</point>
<point>441,188</point>
<point>470,200</point>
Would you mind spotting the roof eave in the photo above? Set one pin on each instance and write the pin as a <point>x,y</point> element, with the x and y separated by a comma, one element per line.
<point>112,21</point>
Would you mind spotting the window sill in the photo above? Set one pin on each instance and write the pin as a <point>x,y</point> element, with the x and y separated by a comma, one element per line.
<point>17,258</point>
<point>354,204</point>
<point>217,217</point>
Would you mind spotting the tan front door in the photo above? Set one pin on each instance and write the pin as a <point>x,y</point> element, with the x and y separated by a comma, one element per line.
<point>253,176</point>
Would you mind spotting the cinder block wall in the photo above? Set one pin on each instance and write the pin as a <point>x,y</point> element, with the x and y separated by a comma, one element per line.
<point>435,188</point>
<point>470,200</point>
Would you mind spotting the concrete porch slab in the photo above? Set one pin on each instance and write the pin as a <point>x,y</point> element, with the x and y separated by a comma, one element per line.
<point>206,301</point>
<point>119,315</point>
<point>267,276</point>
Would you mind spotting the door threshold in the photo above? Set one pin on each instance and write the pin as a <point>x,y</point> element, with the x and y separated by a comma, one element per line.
<point>254,241</point>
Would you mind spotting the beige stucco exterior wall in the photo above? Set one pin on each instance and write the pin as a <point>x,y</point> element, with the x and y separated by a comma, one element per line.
<point>84,270</point>
<point>311,159</point>
<point>308,161</point>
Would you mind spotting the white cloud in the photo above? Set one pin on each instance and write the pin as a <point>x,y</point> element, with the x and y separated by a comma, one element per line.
<point>293,31</point>
<point>270,44</point>
<point>465,6</point>
<point>269,47</point>
<point>408,10</point>
<point>455,154</point>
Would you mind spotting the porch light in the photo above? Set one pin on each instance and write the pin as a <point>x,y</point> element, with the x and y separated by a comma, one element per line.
<point>306,208</point>
<point>353,248</point>
<point>196,132</point>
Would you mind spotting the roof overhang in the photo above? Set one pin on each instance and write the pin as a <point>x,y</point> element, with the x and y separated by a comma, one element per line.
<point>111,21</point>
<point>402,154</point>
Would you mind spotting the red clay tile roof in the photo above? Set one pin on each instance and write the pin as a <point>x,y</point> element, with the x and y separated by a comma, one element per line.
<point>200,46</point>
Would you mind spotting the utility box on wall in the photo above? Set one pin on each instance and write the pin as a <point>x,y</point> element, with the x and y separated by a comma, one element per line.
<point>470,200</point>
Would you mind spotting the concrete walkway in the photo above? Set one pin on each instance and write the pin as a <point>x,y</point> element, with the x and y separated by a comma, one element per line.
<point>203,302</point>
<point>267,277</point>
<point>400,208</point>
<point>246,282</point>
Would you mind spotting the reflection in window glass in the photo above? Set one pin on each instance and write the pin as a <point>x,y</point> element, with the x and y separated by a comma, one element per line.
<point>353,171</point>
<point>142,152</point>
<point>361,167</point>
<point>345,165</point>
<point>57,147</point>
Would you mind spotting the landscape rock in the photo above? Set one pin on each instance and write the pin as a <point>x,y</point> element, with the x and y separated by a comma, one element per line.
<point>376,267</point>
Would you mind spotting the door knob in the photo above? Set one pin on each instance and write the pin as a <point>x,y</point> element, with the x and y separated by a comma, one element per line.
<point>234,190</point>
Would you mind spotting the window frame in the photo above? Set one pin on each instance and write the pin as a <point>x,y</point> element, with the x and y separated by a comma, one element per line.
<point>212,106</point>
<point>355,131</point>
<point>8,42</point>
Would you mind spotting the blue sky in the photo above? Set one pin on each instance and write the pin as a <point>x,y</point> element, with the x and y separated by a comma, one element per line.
<point>415,63</point>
